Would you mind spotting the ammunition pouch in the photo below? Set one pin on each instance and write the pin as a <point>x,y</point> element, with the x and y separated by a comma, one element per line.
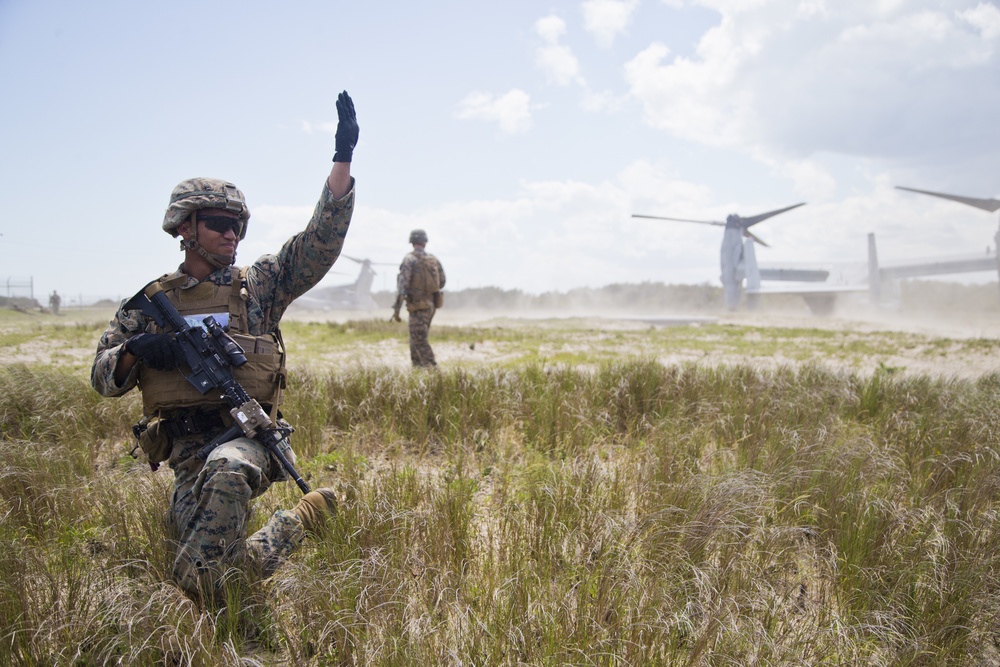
<point>153,441</point>
<point>422,303</point>
<point>156,436</point>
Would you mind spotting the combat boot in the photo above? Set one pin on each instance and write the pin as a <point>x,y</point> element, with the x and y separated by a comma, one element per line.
<point>314,508</point>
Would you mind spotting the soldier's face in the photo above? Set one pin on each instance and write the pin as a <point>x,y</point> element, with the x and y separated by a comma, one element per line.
<point>214,235</point>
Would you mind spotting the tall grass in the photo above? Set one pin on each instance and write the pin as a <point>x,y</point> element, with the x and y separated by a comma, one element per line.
<point>628,514</point>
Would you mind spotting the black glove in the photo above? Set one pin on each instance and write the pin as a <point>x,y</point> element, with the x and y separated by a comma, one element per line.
<point>347,128</point>
<point>159,351</point>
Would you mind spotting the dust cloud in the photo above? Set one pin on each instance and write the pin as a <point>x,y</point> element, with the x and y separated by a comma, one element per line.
<point>949,329</point>
<point>929,308</point>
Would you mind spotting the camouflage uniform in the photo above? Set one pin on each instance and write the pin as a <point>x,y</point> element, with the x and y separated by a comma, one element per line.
<point>421,307</point>
<point>210,506</point>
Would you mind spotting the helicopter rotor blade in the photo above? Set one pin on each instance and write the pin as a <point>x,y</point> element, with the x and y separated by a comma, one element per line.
<point>746,223</point>
<point>362,261</point>
<point>753,220</point>
<point>757,239</point>
<point>700,222</point>
<point>990,205</point>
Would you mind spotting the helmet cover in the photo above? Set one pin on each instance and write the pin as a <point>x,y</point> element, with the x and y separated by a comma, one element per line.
<point>198,193</point>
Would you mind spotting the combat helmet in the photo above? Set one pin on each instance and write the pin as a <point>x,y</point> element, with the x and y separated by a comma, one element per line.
<point>197,193</point>
<point>418,236</point>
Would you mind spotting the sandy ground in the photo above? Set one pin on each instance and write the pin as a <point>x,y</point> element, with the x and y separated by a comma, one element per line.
<point>942,346</point>
<point>969,325</point>
<point>945,346</point>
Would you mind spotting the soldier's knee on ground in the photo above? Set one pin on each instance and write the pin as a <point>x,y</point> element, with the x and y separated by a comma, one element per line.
<point>198,578</point>
<point>208,583</point>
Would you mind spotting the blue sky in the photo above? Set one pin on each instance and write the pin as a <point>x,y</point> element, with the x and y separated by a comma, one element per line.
<point>521,135</point>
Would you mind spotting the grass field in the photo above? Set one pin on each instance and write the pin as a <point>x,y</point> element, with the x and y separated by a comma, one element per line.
<point>565,490</point>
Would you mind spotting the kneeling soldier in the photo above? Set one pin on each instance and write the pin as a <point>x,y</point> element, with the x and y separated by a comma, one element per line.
<point>210,506</point>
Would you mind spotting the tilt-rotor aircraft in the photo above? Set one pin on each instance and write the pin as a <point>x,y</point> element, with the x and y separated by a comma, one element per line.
<point>819,285</point>
<point>737,259</point>
<point>353,296</point>
<point>967,264</point>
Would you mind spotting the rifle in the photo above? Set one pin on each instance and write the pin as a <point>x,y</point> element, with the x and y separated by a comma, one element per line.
<point>211,353</point>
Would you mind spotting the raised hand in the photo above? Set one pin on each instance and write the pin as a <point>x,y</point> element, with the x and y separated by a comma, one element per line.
<point>347,128</point>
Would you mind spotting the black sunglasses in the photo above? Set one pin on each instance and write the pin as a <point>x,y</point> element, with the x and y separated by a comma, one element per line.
<point>222,224</point>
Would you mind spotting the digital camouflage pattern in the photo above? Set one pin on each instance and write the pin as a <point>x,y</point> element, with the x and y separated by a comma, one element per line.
<point>420,306</point>
<point>210,506</point>
<point>210,511</point>
<point>421,353</point>
<point>405,285</point>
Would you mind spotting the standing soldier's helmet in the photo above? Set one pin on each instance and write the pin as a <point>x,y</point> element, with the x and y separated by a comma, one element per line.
<point>418,236</point>
<point>197,193</point>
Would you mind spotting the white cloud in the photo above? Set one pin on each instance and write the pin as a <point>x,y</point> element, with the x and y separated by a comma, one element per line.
<point>653,191</point>
<point>559,64</point>
<point>811,179</point>
<point>984,17</point>
<point>697,100</point>
<point>326,128</point>
<point>270,226</point>
<point>812,8</point>
<point>550,28</point>
<point>601,102</point>
<point>789,78</point>
<point>511,111</point>
<point>606,19</point>
<point>557,60</point>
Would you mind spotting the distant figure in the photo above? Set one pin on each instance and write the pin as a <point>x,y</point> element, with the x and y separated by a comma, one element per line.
<point>420,281</point>
<point>54,301</point>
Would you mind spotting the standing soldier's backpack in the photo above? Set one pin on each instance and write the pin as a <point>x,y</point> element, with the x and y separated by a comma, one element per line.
<point>425,284</point>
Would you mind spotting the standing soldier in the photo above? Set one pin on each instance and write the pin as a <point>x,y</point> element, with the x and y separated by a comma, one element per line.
<point>210,506</point>
<point>54,301</point>
<point>420,281</point>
